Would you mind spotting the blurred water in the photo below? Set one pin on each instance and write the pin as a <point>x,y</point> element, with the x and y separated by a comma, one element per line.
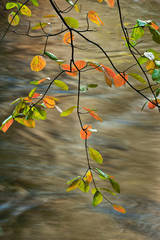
<point>35,164</point>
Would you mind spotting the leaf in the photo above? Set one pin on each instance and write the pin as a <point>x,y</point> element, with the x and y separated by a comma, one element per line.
<point>93,16</point>
<point>150,66</point>
<point>108,190</point>
<point>28,123</point>
<point>70,2</point>
<point>119,208</point>
<point>77,8</point>
<point>67,38</point>
<point>84,186</point>
<point>61,84</point>
<point>151,105</point>
<point>110,3</point>
<point>35,3</point>
<point>71,22</point>
<point>155,34</point>
<point>25,10</point>
<point>70,181</point>
<point>51,56</point>
<point>95,155</point>
<point>97,198</point>
<point>138,77</point>
<point>93,114</point>
<point>115,185</point>
<point>108,74</point>
<point>31,93</point>
<point>88,177</point>
<point>80,64</point>
<point>67,112</point>
<point>13,19</point>
<point>38,63</point>
<point>38,113</point>
<point>103,175</point>
<point>137,32</point>
<point>49,101</point>
<point>85,134</point>
<point>66,67</point>
<point>39,81</point>
<point>142,60</point>
<point>74,184</point>
<point>39,26</point>
<point>119,80</point>
<point>11,5</point>
<point>156,75</point>
<point>155,26</point>
<point>92,85</point>
<point>6,124</point>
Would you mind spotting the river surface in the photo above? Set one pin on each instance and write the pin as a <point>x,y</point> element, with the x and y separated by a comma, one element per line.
<point>35,164</point>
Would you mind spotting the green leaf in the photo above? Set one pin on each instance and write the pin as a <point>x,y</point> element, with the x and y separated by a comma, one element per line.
<point>61,84</point>
<point>156,75</point>
<point>92,85</point>
<point>19,107</point>
<point>137,32</point>
<point>31,93</point>
<point>13,19</point>
<point>67,112</point>
<point>71,22</point>
<point>157,92</point>
<point>16,101</point>
<point>155,35</point>
<point>51,56</point>
<point>74,184</point>
<point>108,190</point>
<point>102,174</point>
<point>137,77</point>
<point>142,60</point>
<point>115,185</point>
<point>39,26</point>
<point>70,181</point>
<point>35,3</point>
<point>38,113</point>
<point>95,155</point>
<point>83,186</point>
<point>97,198</point>
<point>70,2</point>
<point>11,5</point>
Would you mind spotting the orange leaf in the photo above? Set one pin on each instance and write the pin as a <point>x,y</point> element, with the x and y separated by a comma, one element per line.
<point>43,79</point>
<point>85,134</point>
<point>49,101</point>
<point>67,38</point>
<point>38,63</point>
<point>151,105</point>
<point>156,27</point>
<point>88,177</point>
<point>96,66</point>
<point>7,125</point>
<point>93,16</point>
<point>119,208</point>
<point>150,66</point>
<point>35,95</point>
<point>100,1</point>
<point>109,74</point>
<point>119,80</point>
<point>110,3</point>
<point>80,64</point>
<point>66,67</point>
<point>93,114</point>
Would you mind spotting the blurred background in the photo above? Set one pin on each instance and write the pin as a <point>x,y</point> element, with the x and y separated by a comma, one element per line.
<point>35,164</point>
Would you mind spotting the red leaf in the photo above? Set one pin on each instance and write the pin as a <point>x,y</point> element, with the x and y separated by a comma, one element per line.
<point>151,105</point>
<point>85,134</point>
<point>93,114</point>
<point>119,208</point>
<point>7,125</point>
<point>119,80</point>
<point>66,67</point>
<point>80,64</point>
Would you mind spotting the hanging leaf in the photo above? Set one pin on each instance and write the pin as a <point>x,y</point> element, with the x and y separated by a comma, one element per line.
<point>74,184</point>
<point>71,22</point>
<point>49,101</point>
<point>83,186</point>
<point>151,105</point>
<point>156,75</point>
<point>67,38</point>
<point>31,93</point>
<point>93,114</point>
<point>97,198</point>
<point>95,155</point>
<point>40,81</point>
<point>11,5</point>
<point>102,175</point>
<point>93,16</point>
<point>150,66</point>
<point>66,67</point>
<point>108,191</point>
<point>39,26</point>
<point>142,60</point>
<point>110,3</point>
<point>137,32</point>
<point>67,112</point>
<point>80,64</point>
<point>155,26</point>
<point>25,10</point>
<point>6,124</point>
<point>13,19</point>
<point>85,134</point>
<point>35,3</point>
<point>115,185</point>
<point>77,8</point>
<point>38,63</point>
<point>51,56</point>
<point>61,84</point>
<point>28,123</point>
<point>119,208</point>
<point>38,113</point>
<point>119,80</point>
<point>138,77</point>
<point>88,177</point>
<point>155,34</point>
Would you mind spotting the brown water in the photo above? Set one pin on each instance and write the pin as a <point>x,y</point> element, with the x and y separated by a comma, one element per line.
<point>35,164</point>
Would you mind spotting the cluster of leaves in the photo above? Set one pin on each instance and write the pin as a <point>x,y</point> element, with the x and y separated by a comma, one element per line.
<point>34,106</point>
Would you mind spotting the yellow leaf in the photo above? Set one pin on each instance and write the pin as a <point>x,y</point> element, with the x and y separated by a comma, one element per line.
<point>119,208</point>
<point>95,155</point>
<point>28,123</point>
<point>49,101</point>
<point>26,11</point>
<point>88,177</point>
<point>13,19</point>
<point>38,63</point>
<point>100,1</point>
<point>150,66</point>
<point>73,185</point>
<point>77,9</point>
<point>93,16</point>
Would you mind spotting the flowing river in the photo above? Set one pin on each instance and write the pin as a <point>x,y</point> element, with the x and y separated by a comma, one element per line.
<point>35,164</point>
